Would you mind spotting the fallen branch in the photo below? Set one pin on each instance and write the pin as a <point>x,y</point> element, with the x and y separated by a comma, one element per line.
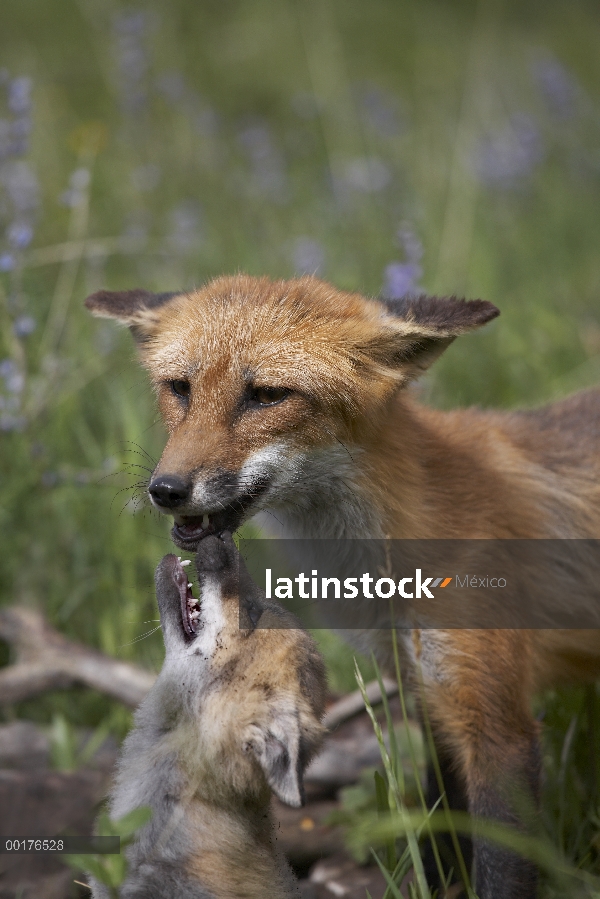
<point>45,660</point>
<point>353,704</point>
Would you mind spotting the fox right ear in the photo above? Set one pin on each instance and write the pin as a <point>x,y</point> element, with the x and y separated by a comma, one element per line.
<point>419,329</point>
<point>135,308</point>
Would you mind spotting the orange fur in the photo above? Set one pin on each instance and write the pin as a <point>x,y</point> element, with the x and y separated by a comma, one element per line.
<point>348,453</point>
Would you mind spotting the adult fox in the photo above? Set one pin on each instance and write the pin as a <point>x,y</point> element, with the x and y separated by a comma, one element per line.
<point>287,396</point>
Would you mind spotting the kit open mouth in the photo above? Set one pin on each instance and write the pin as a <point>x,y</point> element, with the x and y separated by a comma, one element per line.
<point>190,607</point>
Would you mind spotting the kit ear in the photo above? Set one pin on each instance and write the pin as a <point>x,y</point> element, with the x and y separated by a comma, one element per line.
<point>419,329</point>
<point>135,308</point>
<point>276,747</point>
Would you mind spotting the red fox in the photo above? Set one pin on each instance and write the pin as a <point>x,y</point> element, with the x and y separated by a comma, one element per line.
<point>234,714</point>
<point>288,397</point>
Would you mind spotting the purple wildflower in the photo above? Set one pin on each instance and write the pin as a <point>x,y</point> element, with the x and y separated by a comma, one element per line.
<point>172,86</point>
<point>9,422</point>
<point>7,262</point>
<point>558,86</point>
<point>400,279</point>
<point>130,30</point>
<point>15,383</point>
<point>507,156</point>
<point>266,162</point>
<point>5,138</point>
<point>380,110</point>
<point>308,256</point>
<point>20,235</point>
<point>203,117</point>
<point>78,184</point>
<point>20,129</point>
<point>19,95</point>
<point>185,233</point>
<point>21,185</point>
<point>7,368</point>
<point>24,325</point>
<point>410,243</point>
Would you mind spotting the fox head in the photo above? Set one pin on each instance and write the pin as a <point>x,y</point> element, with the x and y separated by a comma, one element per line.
<point>263,385</point>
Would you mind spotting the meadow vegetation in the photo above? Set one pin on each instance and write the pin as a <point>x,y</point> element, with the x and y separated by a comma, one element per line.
<point>446,146</point>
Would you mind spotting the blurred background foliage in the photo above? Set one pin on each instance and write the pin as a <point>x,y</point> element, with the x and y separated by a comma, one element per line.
<point>449,146</point>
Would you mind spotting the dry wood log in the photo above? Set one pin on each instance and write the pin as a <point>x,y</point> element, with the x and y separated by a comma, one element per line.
<point>353,704</point>
<point>341,761</point>
<point>45,660</point>
<point>23,745</point>
<point>340,875</point>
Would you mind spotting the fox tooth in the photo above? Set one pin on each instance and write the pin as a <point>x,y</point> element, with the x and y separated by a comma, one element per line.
<point>190,585</point>
<point>185,562</point>
<point>205,521</point>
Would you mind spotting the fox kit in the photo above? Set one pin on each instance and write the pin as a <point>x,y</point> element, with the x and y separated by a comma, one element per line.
<point>288,396</point>
<point>234,714</point>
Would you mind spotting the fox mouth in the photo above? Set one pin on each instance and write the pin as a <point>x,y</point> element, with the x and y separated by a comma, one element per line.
<point>190,607</point>
<point>189,530</point>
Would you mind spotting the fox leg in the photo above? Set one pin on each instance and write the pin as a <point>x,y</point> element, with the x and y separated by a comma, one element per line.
<point>508,796</point>
<point>475,692</point>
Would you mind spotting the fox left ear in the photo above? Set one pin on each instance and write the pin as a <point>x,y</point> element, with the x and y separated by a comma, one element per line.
<point>131,307</point>
<point>420,328</point>
<point>276,747</point>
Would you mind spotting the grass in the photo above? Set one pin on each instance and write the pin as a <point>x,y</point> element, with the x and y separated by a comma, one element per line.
<point>391,819</point>
<point>168,145</point>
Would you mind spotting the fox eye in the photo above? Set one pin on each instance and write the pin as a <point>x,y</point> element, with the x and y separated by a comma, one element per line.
<point>268,396</point>
<point>180,388</point>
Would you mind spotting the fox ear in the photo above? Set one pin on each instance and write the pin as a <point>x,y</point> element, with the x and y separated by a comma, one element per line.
<point>135,308</point>
<point>277,750</point>
<point>420,328</point>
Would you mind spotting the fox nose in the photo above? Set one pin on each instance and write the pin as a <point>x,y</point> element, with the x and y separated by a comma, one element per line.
<point>168,491</point>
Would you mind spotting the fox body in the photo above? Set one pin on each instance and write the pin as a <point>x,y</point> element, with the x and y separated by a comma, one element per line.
<point>234,714</point>
<point>287,397</point>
